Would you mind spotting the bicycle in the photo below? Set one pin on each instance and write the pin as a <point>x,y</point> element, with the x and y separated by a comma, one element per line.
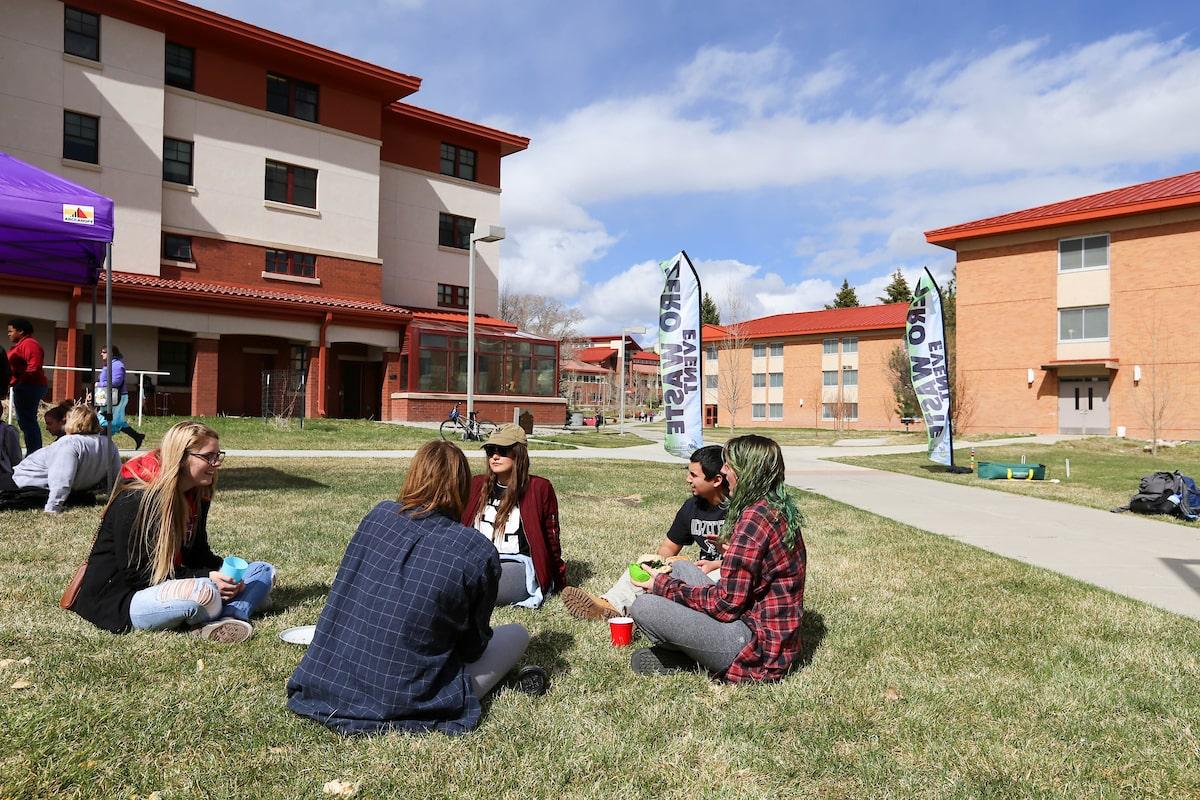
<point>455,428</point>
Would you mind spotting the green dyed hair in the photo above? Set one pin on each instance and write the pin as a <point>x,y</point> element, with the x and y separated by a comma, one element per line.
<point>758,463</point>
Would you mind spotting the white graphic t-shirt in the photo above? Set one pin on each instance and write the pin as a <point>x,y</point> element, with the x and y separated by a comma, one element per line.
<point>513,541</point>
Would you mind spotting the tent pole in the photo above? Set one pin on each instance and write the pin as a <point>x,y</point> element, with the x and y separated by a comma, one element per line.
<point>108,337</point>
<point>91,357</point>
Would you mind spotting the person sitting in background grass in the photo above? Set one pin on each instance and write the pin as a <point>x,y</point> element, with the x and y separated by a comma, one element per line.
<point>151,567</point>
<point>518,513</point>
<point>745,627</point>
<point>83,459</point>
<point>10,452</point>
<point>56,416</point>
<point>698,522</point>
<point>405,641</point>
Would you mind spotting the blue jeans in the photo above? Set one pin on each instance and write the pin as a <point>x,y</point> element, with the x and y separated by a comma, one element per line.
<point>26,397</point>
<point>195,601</point>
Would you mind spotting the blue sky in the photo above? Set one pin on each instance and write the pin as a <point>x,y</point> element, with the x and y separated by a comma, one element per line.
<point>785,145</point>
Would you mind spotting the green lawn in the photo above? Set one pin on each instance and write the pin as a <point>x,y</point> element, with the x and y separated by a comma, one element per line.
<point>592,438</point>
<point>1104,471</point>
<point>936,670</point>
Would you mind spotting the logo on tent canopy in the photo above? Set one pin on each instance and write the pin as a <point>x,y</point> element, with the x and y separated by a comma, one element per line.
<point>79,215</point>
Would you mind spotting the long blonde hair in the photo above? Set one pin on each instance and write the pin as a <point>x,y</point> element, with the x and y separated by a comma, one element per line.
<point>161,521</point>
<point>80,419</point>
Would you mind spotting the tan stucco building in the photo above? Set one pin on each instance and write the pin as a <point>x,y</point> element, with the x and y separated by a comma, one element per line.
<point>1082,316</point>
<point>812,369</point>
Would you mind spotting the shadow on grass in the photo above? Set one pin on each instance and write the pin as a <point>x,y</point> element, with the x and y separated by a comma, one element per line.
<point>578,572</point>
<point>813,630</point>
<point>262,479</point>
<point>285,597</point>
<point>548,648</point>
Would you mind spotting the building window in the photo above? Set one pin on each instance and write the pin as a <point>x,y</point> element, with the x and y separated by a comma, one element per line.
<point>1082,323</point>
<point>181,66</point>
<point>710,352</point>
<point>850,344</point>
<point>760,351</point>
<point>710,381</point>
<point>760,380</point>
<point>291,97</point>
<point>776,410</point>
<point>828,410</point>
<point>1083,252</point>
<point>287,183</point>
<point>850,411</point>
<point>503,366</point>
<point>450,296</point>
<point>829,377</point>
<point>829,346</point>
<point>458,162</point>
<point>776,349</point>
<point>286,262</point>
<point>176,247</point>
<point>776,380</point>
<point>175,358</point>
<point>81,33</point>
<point>177,161</point>
<point>455,231</point>
<point>299,365</point>
<point>758,410</point>
<point>849,377</point>
<point>81,137</point>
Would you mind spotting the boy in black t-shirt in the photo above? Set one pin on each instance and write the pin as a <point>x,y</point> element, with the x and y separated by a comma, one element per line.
<point>698,522</point>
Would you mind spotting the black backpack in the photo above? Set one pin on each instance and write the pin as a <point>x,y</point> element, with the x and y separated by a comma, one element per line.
<point>1162,493</point>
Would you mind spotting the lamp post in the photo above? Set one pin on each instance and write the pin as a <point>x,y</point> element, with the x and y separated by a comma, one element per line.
<point>493,233</point>
<point>638,330</point>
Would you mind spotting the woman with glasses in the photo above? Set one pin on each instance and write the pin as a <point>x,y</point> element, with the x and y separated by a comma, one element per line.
<point>745,627</point>
<point>151,567</point>
<point>518,512</point>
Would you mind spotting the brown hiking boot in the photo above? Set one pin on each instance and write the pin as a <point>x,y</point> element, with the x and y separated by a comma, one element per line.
<point>585,605</point>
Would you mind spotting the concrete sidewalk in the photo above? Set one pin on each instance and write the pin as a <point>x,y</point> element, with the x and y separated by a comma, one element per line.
<point>1152,561</point>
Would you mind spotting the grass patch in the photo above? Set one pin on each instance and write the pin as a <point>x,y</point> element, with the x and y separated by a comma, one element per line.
<point>811,437</point>
<point>591,438</point>
<point>936,670</point>
<point>1104,471</point>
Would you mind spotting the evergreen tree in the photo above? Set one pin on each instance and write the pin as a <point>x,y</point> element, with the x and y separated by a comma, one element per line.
<point>846,297</point>
<point>709,313</point>
<point>897,291</point>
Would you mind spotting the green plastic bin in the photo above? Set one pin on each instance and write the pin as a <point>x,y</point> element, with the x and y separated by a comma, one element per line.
<point>994,470</point>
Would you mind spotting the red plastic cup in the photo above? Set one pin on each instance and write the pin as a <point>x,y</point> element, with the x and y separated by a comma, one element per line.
<point>621,630</point>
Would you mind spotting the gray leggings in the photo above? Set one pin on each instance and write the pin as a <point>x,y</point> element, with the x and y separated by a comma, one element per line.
<point>695,634</point>
<point>512,584</point>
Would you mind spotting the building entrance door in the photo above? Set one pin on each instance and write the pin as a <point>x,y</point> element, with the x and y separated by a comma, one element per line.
<point>1083,405</point>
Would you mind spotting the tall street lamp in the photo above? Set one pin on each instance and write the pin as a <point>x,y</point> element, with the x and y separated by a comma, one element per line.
<point>493,233</point>
<point>619,346</point>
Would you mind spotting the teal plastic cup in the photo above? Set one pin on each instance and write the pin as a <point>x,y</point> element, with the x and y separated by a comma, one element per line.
<point>234,568</point>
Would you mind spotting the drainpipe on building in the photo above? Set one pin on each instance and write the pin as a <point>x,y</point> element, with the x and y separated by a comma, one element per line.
<point>322,360</point>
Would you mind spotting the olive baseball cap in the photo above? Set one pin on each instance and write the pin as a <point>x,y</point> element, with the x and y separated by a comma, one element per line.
<point>506,435</point>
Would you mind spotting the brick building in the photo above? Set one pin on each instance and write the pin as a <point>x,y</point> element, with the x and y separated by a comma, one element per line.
<point>813,369</point>
<point>1080,316</point>
<point>590,375</point>
<point>279,211</point>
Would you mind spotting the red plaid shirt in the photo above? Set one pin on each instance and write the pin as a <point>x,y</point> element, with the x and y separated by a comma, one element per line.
<point>762,584</point>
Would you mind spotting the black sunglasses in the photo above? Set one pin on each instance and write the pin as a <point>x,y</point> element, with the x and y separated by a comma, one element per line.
<point>504,451</point>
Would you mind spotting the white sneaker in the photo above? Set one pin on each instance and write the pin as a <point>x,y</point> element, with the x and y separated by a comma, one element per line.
<point>225,631</point>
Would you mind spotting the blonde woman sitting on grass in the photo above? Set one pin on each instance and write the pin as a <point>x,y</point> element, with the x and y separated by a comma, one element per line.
<point>151,567</point>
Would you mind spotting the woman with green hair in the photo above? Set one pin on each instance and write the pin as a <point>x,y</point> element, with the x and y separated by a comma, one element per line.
<point>746,627</point>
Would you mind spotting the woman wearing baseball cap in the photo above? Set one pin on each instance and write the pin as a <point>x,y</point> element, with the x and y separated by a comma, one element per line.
<point>519,513</point>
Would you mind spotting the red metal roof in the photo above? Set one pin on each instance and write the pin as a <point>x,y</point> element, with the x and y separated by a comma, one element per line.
<point>645,355</point>
<point>595,354</point>
<point>574,365</point>
<point>835,320</point>
<point>309,300</point>
<point>1180,190</point>
<point>461,319</point>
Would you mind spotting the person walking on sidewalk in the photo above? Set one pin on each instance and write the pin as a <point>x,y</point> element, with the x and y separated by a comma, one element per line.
<point>28,381</point>
<point>112,408</point>
<point>745,627</point>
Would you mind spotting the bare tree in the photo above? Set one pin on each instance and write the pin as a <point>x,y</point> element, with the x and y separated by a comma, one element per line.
<point>733,366</point>
<point>539,315</point>
<point>899,377</point>
<point>1153,395</point>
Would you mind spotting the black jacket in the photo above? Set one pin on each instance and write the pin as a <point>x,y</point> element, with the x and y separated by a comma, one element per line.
<point>119,565</point>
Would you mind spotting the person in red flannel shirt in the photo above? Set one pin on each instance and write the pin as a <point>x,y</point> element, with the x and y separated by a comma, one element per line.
<point>28,380</point>
<point>746,627</point>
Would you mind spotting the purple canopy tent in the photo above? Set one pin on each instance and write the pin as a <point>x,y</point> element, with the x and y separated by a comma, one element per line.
<point>54,229</point>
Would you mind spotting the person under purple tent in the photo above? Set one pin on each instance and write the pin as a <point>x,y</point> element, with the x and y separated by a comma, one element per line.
<point>28,380</point>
